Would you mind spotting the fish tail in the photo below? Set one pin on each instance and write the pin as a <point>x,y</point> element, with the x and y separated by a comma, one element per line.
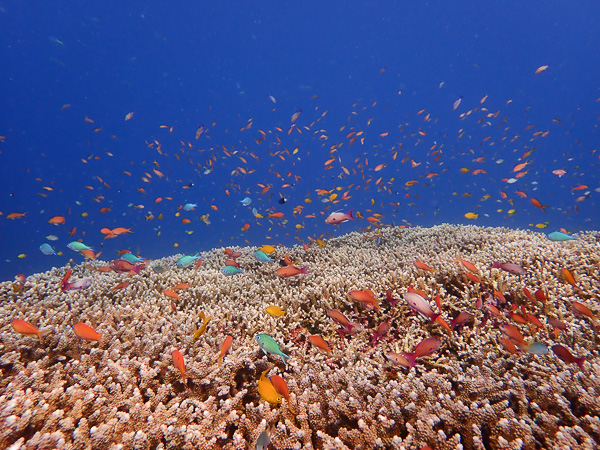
<point>283,356</point>
<point>350,215</point>
<point>304,270</point>
<point>434,317</point>
<point>579,361</point>
<point>137,268</point>
<point>495,265</point>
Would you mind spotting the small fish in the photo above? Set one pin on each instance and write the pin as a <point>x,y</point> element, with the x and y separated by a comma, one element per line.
<point>290,271</point>
<point>179,363</point>
<point>130,257</point>
<point>463,317</point>
<point>471,215</point>
<point>267,391</point>
<point>420,305</point>
<point>566,356</point>
<point>509,267</point>
<point>121,266</point>
<point>337,217</point>
<point>512,333</point>
<point>190,206</point>
<point>281,386</point>
<point>158,269</point>
<point>52,237</point>
<point>225,347</point>
<point>231,270</point>
<point>47,249</point>
<point>349,327</point>
<point>77,246</point>
<point>27,329</point>
<point>366,297</point>
<point>262,256</point>
<point>263,441</point>
<point>422,266</point>
<point>537,348</point>
<point>560,237</point>
<point>82,283</point>
<point>390,298</point>
<point>86,332</point>
<point>268,249</point>
<point>246,201</point>
<point>319,342</point>
<point>381,331</point>
<point>275,311</point>
<point>268,345</point>
<point>568,276</point>
<point>186,261</point>
<point>200,331</point>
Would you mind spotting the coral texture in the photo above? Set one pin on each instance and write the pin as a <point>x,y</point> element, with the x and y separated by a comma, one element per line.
<point>124,391</point>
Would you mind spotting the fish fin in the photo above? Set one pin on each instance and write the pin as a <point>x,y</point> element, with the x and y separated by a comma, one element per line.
<point>580,362</point>
<point>303,270</point>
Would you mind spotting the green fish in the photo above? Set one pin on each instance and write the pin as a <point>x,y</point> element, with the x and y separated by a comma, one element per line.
<point>77,246</point>
<point>186,261</point>
<point>558,236</point>
<point>268,345</point>
<point>159,269</point>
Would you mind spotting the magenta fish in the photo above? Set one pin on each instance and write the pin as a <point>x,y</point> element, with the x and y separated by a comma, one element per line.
<point>565,355</point>
<point>338,217</point>
<point>120,265</point>
<point>509,267</point>
<point>420,305</point>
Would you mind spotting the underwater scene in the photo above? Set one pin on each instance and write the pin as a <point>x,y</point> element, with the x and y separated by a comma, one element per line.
<point>339,225</point>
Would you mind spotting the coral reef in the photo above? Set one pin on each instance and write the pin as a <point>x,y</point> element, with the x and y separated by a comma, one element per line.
<point>124,391</point>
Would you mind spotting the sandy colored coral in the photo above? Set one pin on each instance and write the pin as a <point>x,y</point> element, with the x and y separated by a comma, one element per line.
<point>125,392</point>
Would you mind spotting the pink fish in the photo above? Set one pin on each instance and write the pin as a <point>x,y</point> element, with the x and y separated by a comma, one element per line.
<point>82,283</point>
<point>420,305</point>
<point>559,172</point>
<point>509,267</point>
<point>337,217</point>
<point>512,333</point>
<point>120,265</point>
<point>564,354</point>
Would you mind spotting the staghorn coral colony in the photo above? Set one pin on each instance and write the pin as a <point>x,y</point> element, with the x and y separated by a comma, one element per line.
<point>476,391</point>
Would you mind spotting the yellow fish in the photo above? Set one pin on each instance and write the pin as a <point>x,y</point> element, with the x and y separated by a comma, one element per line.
<point>511,212</point>
<point>267,391</point>
<point>275,311</point>
<point>268,249</point>
<point>471,215</point>
<point>539,225</point>
<point>200,331</point>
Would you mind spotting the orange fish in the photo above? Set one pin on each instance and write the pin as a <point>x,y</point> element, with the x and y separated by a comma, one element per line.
<point>225,347</point>
<point>366,297</point>
<point>281,386</point>
<point>468,265</point>
<point>319,342</point>
<point>170,293</point>
<point>581,187</point>
<point>535,202</point>
<point>121,285</point>
<point>86,332</point>
<point>423,266</point>
<point>290,271</point>
<point>22,327</point>
<point>275,215</point>
<point>120,230</point>
<point>540,69</point>
<point>181,286</point>
<point>179,363</point>
<point>15,215</point>
<point>57,220</point>
<point>568,276</point>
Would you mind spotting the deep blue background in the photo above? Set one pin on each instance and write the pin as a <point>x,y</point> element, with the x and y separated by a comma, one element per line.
<point>180,65</point>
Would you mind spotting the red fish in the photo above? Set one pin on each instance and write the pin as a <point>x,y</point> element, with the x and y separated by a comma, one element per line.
<point>423,266</point>
<point>565,355</point>
<point>390,299</point>
<point>381,331</point>
<point>319,342</point>
<point>424,348</point>
<point>281,386</point>
<point>463,317</point>
<point>349,327</point>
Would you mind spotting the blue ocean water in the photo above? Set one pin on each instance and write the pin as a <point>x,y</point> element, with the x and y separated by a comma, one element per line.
<point>374,84</point>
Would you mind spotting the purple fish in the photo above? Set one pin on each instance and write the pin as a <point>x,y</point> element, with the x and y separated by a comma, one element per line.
<point>509,267</point>
<point>419,304</point>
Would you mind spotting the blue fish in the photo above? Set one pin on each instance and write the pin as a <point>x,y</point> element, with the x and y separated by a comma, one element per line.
<point>130,257</point>
<point>558,236</point>
<point>47,249</point>
<point>231,270</point>
<point>189,206</point>
<point>246,201</point>
<point>262,256</point>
